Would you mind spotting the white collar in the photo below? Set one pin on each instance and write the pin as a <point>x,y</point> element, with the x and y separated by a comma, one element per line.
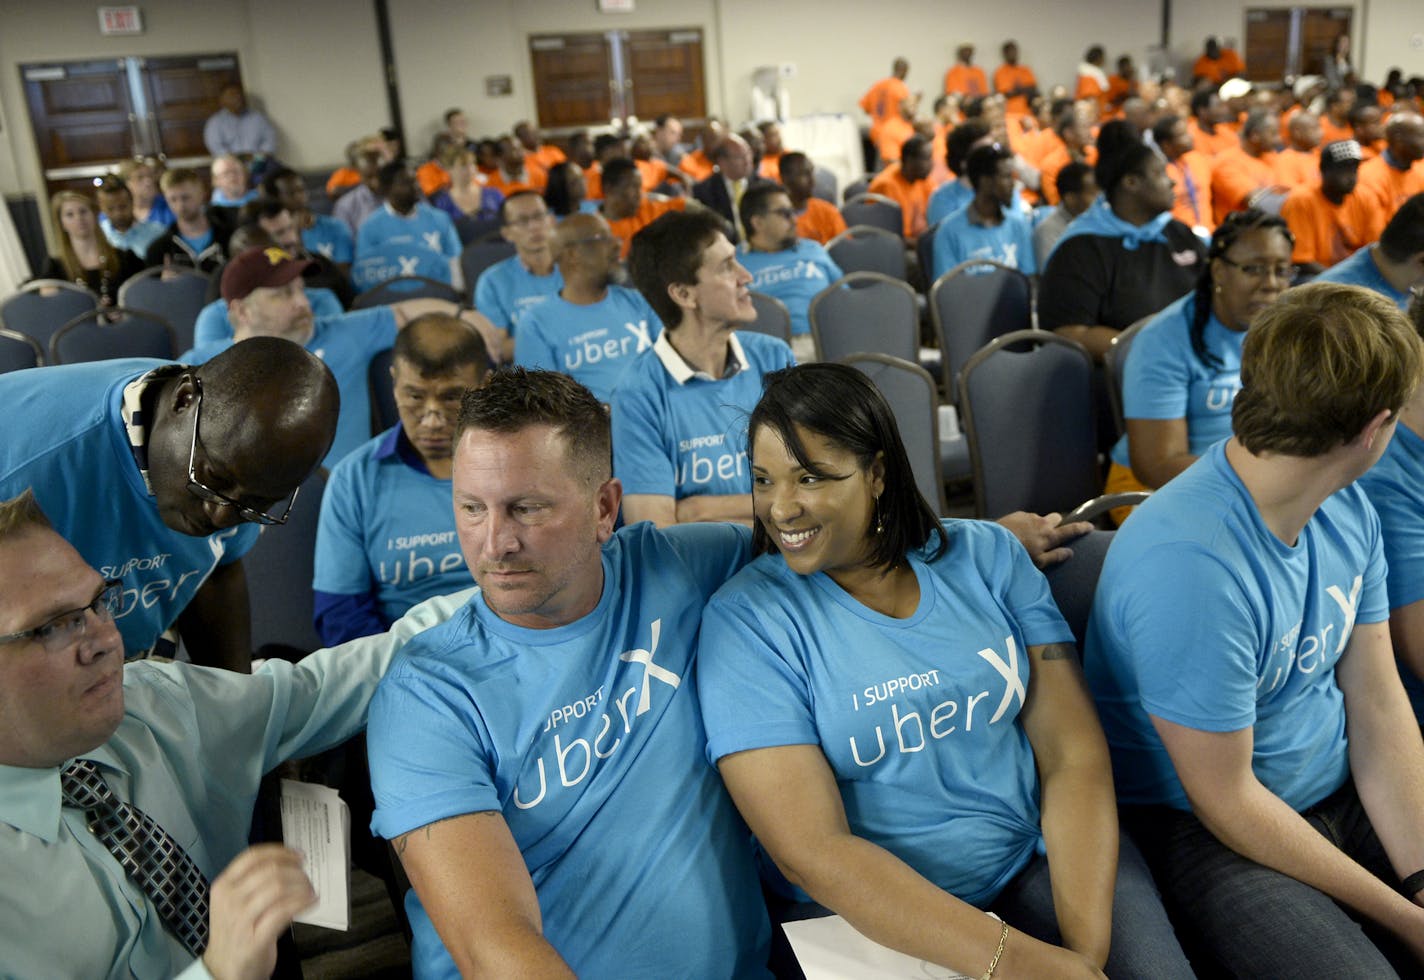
<point>682,372</point>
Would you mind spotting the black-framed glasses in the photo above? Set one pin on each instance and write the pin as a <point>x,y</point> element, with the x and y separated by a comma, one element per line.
<point>207,494</point>
<point>1260,270</point>
<point>60,632</point>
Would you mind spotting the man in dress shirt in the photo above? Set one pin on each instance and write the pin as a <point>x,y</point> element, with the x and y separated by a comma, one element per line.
<point>237,128</point>
<point>185,745</point>
<point>722,192</point>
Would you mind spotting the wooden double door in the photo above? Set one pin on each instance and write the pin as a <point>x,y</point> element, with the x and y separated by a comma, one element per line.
<point>89,115</point>
<point>596,78</point>
<point>1294,41</point>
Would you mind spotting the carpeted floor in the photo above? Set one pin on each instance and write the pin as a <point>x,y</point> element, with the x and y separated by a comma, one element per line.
<point>373,949</point>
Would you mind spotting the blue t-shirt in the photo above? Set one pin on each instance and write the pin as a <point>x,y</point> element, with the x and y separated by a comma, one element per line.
<point>1395,486</point>
<point>1360,270</point>
<point>588,739</point>
<point>389,529</point>
<point>1206,619</point>
<point>330,237</point>
<point>683,438</point>
<point>917,717</point>
<point>388,245</point>
<point>221,199</point>
<point>793,276</point>
<point>66,439</point>
<point>958,239</point>
<point>213,324</point>
<point>947,198</point>
<point>346,343</point>
<point>507,290</point>
<point>1165,379</point>
<point>594,343</point>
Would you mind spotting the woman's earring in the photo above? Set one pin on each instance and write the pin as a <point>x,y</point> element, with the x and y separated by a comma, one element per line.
<point>879,518</point>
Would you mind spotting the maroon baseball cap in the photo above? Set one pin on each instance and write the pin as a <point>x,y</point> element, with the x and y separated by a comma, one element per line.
<point>261,268</point>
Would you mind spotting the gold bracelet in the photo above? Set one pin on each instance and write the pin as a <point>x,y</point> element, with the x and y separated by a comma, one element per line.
<point>994,963</point>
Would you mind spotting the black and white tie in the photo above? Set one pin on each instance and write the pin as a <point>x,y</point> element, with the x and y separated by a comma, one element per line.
<point>152,859</point>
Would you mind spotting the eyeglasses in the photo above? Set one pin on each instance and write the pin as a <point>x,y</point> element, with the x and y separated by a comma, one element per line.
<point>207,494</point>
<point>61,632</point>
<point>529,220</point>
<point>787,213</point>
<point>1262,271</point>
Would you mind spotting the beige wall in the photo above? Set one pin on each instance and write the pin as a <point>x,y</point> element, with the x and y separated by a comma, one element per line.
<point>315,64</point>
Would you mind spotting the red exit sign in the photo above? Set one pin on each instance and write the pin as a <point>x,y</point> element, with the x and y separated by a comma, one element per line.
<point>120,20</point>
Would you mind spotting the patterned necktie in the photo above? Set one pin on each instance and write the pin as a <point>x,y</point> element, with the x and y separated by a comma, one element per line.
<point>152,859</point>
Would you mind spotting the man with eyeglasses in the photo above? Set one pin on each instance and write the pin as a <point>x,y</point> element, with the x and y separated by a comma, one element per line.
<point>156,473</point>
<point>593,328</point>
<point>782,265</point>
<point>386,540</point>
<point>511,287</point>
<point>126,794</point>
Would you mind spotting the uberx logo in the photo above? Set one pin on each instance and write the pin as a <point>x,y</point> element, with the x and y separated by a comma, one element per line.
<point>576,757</point>
<point>591,348</point>
<point>913,729</point>
<point>155,590</point>
<point>1309,653</point>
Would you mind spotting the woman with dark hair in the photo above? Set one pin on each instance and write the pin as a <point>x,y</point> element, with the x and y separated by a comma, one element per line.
<point>567,189</point>
<point>895,704</point>
<point>85,255</point>
<point>466,197</point>
<point>1185,364</point>
<point>1122,259</point>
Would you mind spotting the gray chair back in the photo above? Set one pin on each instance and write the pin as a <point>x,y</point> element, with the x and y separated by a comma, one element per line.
<point>913,398</point>
<point>30,312</point>
<point>875,210</point>
<point>471,229</point>
<point>865,248</point>
<point>1074,582</point>
<point>772,319</point>
<point>479,256</point>
<point>178,297</point>
<point>279,573</point>
<point>1026,401</point>
<point>823,184</point>
<point>972,304</point>
<point>383,392</point>
<point>865,313</point>
<point>402,288</point>
<point>101,335</point>
<point>855,189</point>
<point>1115,363</point>
<point>18,352</point>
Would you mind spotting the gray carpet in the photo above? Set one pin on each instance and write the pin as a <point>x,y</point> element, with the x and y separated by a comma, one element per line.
<point>373,949</point>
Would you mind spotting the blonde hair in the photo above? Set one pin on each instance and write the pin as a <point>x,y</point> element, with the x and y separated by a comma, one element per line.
<point>1318,364</point>
<point>73,268</point>
<point>21,514</point>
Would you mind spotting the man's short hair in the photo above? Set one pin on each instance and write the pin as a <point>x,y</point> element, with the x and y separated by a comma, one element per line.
<point>960,141</point>
<point>514,399</point>
<point>619,171</point>
<point>1258,120</point>
<point>913,146</point>
<point>182,175</point>
<point>437,344</point>
<point>1318,364</point>
<point>1162,128</point>
<point>113,185</point>
<point>514,196</point>
<point>1127,160</point>
<point>261,208</point>
<point>756,201</point>
<point>21,514</point>
<point>669,252</point>
<point>1403,237</point>
<point>1201,100</point>
<point>451,114</point>
<point>271,178</point>
<point>791,161</point>
<point>388,173</point>
<point>1071,178</point>
<point>603,141</point>
<point>982,162</point>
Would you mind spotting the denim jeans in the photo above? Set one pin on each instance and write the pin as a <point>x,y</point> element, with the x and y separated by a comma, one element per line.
<point>1143,943</point>
<point>1253,921</point>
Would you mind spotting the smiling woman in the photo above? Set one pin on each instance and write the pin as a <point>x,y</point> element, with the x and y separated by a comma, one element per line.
<point>915,699</point>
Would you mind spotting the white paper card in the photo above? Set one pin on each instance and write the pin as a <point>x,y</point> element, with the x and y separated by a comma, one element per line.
<point>831,949</point>
<point>316,822</point>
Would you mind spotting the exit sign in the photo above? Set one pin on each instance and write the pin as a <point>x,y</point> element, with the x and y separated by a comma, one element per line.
<point>120,20</point>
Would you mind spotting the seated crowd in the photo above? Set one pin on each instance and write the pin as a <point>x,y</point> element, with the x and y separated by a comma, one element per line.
<point>640,744</point>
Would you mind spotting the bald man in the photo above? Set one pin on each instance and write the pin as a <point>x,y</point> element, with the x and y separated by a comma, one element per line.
<point>156,473</point>
<point>593,328</point>
<point>722,192</point>
<point>1397,174</point>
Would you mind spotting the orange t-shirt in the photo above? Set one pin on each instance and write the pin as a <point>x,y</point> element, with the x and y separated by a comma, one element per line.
<point>593,182</point>
<point>1213,143</point>
<point>545,157</point>
<point>1298,168</point>
<point>966,80</point>
<point>913,198</point>
<point>653,172</point>
<point>342,178</point>
<point>431,177</point>
<point>892,136</point>
<point>649,211</point>
<point>1221,69</point>
<point>1324,232</point>
<point>1235,176</point>
<point>1089,87</point>
<point>821,221</point>
<point>1330,133</point>
<point>882,100</point>
<point>1388,188</point>
<point>1006,79</point>
<point>1368,151</point>
<point>1191,205</point>
<point>695,165</point>
<point>536,180</point>
<point>770,167</point>
<point>1119,89</point>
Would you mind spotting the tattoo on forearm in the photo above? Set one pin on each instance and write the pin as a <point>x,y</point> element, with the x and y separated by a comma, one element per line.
<point>1059,651</point>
